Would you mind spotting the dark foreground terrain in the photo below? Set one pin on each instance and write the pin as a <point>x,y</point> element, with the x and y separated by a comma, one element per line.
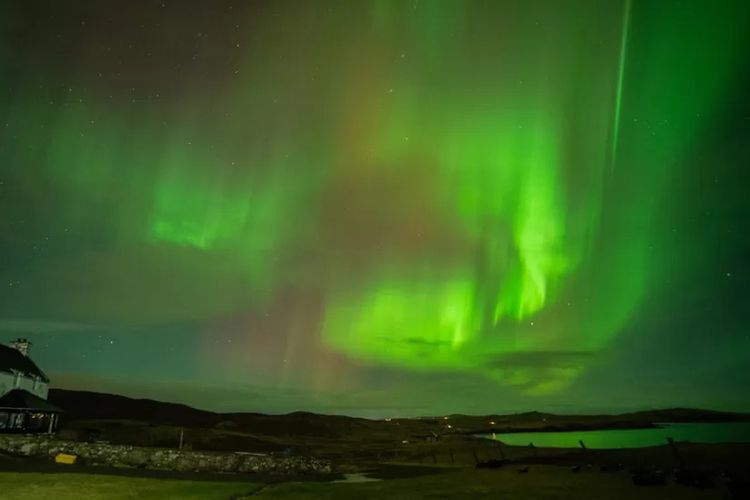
<point>541,482</point>
<point>122,420</point>
<point>436,457</point>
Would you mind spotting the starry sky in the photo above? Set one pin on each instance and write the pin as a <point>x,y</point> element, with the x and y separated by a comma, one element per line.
<point>381,207</point>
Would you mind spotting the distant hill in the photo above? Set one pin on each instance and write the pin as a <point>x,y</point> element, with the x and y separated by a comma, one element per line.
<point>676,415</point>
<point>91,416</point>
<point>79,405</point>
<point>537,421</point>
<point>84,405</point>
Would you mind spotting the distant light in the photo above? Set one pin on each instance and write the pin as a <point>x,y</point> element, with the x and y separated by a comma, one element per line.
<point>492,423</point>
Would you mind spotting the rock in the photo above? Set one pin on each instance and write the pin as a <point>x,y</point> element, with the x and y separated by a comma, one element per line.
<point>135,457</point>
<point>28,449</point>
<point>160,458</point>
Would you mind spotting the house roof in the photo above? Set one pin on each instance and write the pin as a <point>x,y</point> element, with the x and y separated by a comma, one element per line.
<point>12,360</point>
<point>19,399</point>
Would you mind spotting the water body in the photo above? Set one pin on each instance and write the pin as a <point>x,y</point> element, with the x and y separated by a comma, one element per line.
<point>730,432</point>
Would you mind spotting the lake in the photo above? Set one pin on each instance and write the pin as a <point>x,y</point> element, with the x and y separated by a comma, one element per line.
<point>729,432</point>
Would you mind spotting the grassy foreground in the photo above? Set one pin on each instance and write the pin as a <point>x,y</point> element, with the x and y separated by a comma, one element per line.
<point>71,486</point>
<point>541,482</point>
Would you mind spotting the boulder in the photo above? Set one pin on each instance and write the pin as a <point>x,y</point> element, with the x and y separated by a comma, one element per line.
<point>160,458</point>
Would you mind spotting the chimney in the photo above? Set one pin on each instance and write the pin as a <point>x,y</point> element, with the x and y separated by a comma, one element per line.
<point>22,345</point>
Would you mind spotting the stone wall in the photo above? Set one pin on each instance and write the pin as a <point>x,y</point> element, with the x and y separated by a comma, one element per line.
<point>159,458</point>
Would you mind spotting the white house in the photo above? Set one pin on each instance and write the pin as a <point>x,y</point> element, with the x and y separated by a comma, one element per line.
<point>23,392</point>
<point>18,371</point>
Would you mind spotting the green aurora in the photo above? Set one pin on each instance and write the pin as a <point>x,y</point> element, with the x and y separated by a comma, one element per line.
<point>318,195</point>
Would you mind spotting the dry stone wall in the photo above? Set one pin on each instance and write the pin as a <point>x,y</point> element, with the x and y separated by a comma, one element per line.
<point>160,458</point>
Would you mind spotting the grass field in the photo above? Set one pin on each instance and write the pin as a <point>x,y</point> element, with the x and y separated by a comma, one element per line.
<point>541,482</point>
<point>69,486</point>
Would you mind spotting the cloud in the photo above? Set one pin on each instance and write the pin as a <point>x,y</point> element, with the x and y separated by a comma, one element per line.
<point>539,373</point>
<point>539,359</point>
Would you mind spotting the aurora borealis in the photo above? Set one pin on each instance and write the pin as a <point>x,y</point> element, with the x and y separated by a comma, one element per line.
<point>380,207</point>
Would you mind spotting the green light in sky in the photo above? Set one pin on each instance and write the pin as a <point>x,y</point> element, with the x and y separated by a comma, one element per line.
<point>524,172</point>
<point>419,324</point>
<point>620,81</point>
<point>438,189</point>
<point>191,214</point>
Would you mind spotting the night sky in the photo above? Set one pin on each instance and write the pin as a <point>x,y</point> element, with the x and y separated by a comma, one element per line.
<point>380,207</point>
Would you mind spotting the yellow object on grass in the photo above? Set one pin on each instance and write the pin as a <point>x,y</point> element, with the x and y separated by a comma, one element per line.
<point>64,458</point>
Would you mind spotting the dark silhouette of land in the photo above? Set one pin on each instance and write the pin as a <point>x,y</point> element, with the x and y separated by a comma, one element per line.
<point>440,453</point>
<point>84,405</point>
